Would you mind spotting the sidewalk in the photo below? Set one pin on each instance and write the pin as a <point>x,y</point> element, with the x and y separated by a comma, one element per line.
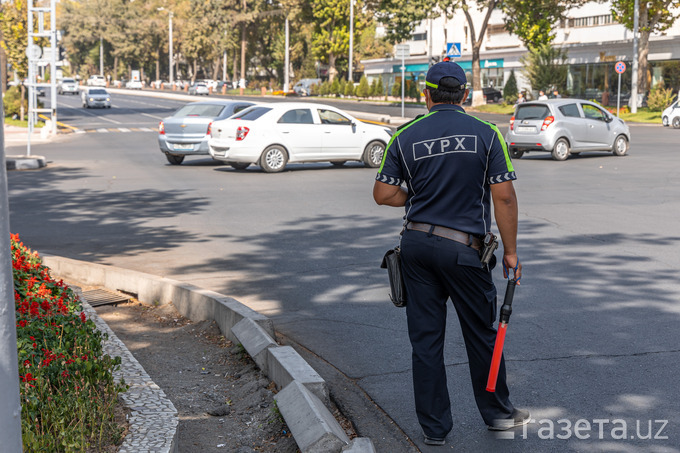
<point>17,137</point>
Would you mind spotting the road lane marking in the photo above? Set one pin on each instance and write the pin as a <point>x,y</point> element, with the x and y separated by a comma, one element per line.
<point>152,116</point>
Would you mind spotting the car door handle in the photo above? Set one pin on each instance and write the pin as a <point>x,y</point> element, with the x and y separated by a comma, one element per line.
<point>591,126</point>
<point>327,132</point>
<point>285,132</point>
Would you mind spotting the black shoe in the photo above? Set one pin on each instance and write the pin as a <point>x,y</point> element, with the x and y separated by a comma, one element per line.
<point>519,417</point>
<point>434,440</point>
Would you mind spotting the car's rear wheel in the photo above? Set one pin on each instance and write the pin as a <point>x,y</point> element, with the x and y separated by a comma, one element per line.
<point>515,153</point>
<point>373,154</point>
<point>676,122</point>
<point>274,159</point>
<point>174,159</point>
<point>339,163</point>
<point>665,121</point>
<point>561,150</point>
<point>620,146</point>
<point>239,165</point>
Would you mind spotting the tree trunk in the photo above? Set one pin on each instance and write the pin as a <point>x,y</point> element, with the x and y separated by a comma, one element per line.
<point>22,109</point>
<point>158,63</point>
<point>235,64</point>
<point>477,94</point>
<point>332,72</point>
<point>216,68</point>
<point>115,67</point>
<point>243,45</point>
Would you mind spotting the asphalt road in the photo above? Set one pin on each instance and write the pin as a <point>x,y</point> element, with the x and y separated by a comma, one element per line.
<point>591,346</point>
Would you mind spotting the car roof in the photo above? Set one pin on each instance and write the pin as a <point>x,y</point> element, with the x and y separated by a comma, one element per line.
<point>555,102</point>
<point>219,102</point>
<point>298,105</point>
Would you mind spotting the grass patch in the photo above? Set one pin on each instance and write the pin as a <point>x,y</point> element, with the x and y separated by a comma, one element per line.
<point>12,122</point>
<point>643,115</point>
<point>504,109</point>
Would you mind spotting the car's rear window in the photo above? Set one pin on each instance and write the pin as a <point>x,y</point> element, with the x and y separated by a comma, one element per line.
<point>532,112</point>
<point>570,110</point>
<point>252,113</point>
<point>205,110</point>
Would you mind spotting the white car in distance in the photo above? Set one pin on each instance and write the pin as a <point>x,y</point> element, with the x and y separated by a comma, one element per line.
<point>273,135</point>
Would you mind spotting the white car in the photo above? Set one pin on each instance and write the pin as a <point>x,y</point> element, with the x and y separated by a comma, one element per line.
<point>134,85</point>
<point>96,81</point>
<point>671,115</point>
<point>273,135</point>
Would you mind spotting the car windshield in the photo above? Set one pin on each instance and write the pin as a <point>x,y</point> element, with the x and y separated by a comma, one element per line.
<point>206,110</point>
<point>98,92</point>
<point>68,81</point>
<point>532,112</point>
<point>252,113</point>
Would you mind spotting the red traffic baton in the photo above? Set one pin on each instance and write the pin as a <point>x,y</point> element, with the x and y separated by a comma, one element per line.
<point>506,311</point>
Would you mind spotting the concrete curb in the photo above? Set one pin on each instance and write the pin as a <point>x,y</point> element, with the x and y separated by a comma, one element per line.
<point>302,401</point>
<point>24,162</point>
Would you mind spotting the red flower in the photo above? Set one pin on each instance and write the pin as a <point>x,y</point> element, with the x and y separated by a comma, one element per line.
<point>82,316</point>
<point>27,378</point>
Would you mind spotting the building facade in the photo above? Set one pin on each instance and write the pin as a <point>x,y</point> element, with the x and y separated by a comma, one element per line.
<point>594,42</point>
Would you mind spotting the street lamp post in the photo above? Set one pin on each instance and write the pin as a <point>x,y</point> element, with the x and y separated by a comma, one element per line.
<point>634,74</point>
<point>286,74</point>
<point>170,57</point>
<point>351,38</point>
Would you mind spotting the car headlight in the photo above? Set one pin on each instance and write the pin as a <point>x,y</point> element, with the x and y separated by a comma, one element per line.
<point>91,99</point>
<point>108,99</point>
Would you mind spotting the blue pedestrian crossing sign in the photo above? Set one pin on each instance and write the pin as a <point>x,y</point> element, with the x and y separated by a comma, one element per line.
<point>453,49</point>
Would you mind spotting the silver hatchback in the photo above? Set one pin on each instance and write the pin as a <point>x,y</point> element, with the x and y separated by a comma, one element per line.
<point>565,126</point>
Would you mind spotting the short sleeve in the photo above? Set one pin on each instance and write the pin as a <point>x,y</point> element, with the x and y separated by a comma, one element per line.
<point>500,167</point>
<point>391,171</point>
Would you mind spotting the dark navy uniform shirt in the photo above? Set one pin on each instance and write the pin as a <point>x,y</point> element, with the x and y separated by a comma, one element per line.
<point>448,160</point>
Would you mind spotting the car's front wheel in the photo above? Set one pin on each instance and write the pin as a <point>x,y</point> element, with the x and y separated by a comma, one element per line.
<point>665,121</point>
<point>239,165</point>
<point>676,122</point>
<point>174,159</point>
<point>515,153</point>
<point>620,146</point>
<point>561,150</point>
<point>274,159</point>
<point>373,154</point>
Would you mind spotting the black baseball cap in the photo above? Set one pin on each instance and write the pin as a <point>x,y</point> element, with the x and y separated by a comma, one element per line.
<point>445,69</point>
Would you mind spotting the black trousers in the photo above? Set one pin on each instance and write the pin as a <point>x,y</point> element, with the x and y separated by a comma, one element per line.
<point>436,269</point>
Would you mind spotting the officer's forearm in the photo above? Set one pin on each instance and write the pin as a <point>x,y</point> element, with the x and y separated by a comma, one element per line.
<point>386,194</point>
<point>505,211</point>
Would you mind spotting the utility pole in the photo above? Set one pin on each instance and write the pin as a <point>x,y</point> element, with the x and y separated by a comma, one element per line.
<point>634,75</point>
<point>170,56</point>
<point>10,403</point>
<point>286,70</point>
<point>101,56</point>
<point>351,39</point>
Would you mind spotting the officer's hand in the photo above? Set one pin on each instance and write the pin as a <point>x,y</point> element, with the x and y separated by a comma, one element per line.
<point>511,262</point>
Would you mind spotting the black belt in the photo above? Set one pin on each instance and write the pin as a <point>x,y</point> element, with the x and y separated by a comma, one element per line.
<point>447,233</point>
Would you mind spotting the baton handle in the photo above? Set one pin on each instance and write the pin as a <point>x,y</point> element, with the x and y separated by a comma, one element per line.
<point>506,309</point>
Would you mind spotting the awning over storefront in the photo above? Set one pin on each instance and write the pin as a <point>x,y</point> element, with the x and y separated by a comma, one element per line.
<point>423,67</point>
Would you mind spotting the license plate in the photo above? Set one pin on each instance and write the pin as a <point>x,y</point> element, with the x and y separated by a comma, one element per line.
<point>525,129</point>
<point>182,147</point>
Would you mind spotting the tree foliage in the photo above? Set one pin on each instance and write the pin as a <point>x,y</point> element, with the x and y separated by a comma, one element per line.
<point>545,67</point>
<point>654,16</point>
<point>14,26</point>
<point>510,89</point>
<point>533,21</point>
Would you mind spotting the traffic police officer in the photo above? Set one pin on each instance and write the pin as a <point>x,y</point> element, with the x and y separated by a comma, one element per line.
<point>452,164</point>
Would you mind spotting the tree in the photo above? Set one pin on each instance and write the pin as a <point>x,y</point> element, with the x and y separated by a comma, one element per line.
<point>349,88</point>
<point>510,89</point>
<point>400,18</point>
<point>335,87</point>
<point>532,21</point>
<point>655,16</point>
<point>14,26</point>
<point>545,67</point>
<point>363,89</point>
<point>380,89</point>
<point>396,88</point>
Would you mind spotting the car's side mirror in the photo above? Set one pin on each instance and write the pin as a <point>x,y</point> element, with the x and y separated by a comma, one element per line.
<point>609,119</point>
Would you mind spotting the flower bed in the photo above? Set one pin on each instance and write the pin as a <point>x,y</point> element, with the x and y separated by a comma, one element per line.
<point>67,388</point>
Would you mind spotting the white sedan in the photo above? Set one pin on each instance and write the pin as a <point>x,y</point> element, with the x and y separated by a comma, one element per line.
<point>273,135</point>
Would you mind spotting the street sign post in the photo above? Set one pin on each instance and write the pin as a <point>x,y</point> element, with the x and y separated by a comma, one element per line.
<point>453,50</point>
<point>403,51</point>
<point>620,68</point>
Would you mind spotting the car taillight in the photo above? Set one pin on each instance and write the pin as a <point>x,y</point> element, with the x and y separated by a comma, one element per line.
<point>241,133</point>
<point>547,122</point>
<point>512,122</point>
<point>161,128</point>
<point>209,131</point>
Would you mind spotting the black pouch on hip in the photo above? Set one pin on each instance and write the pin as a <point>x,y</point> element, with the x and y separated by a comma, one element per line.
<point>392,262</point>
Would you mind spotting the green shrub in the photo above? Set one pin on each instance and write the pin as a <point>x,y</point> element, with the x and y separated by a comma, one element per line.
<point>335,88</point>
<point>660,98</point>
<point>510,89</point>
<point>363,89</point>
<point>373,90</point>
<point>12,101</point>
<point>67,390</point>
<point>396,88</point>
<point>380,90</point>
<point>349,88</point>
